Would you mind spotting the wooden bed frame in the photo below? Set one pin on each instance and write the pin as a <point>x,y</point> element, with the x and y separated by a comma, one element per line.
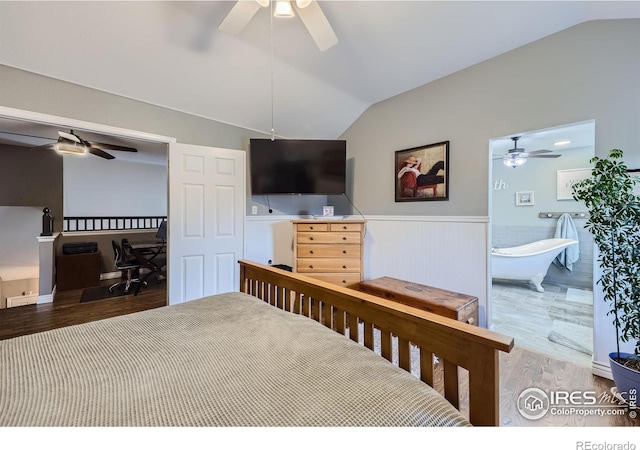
<point>457,344</point>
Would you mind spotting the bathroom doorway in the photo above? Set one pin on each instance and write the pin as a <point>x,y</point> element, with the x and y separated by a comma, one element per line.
<point>530,204</point>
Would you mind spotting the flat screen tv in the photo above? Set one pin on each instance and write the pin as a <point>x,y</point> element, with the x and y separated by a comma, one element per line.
<point>290,166</point>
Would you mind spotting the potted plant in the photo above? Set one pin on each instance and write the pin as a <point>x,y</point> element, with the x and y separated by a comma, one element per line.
<point>614,222</point>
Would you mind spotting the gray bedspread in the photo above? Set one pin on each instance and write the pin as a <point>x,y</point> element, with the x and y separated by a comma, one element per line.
<point>224,360</point>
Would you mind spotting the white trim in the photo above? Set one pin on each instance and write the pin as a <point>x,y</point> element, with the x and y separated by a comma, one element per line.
<point>51,238</point>
<point>107,232</point>
<point>457,219</point>
<point>271,218</point>
<point>74,124</point>
<point>47,298</point>
<point>601,370</point>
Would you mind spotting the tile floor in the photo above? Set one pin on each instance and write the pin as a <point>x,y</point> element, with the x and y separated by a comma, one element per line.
<point>557,322</point>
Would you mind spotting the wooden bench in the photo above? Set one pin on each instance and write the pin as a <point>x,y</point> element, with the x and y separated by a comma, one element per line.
<point>453,305</point>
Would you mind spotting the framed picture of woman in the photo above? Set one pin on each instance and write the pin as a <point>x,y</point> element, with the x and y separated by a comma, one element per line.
<point>422,173</point>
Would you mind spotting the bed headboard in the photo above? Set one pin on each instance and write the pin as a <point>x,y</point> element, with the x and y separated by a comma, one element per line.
<point>456,344</point>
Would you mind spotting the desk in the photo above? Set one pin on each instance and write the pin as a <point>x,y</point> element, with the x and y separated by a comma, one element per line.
<point>151,256</point>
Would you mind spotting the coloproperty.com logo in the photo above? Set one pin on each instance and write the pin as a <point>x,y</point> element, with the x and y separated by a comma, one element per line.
<point>534,403</point>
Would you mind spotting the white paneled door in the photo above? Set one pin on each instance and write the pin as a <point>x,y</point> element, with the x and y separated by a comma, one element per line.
<point>206,220</point>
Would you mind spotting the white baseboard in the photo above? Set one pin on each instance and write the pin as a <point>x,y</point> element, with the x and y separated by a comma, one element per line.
<point>601,370</point>
<point>47,298</point>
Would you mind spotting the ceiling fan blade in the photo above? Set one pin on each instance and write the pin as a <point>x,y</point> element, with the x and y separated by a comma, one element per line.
<point>318,25</point>
<point>537,152</point>
<point>544,156</point>
<point>51,146</point>
<point>102,145</point>
<point>100,153</point>
<point>69,137</point>
<point>239,16</point>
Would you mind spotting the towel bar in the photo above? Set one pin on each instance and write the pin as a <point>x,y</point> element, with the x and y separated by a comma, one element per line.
<point>556,215</point>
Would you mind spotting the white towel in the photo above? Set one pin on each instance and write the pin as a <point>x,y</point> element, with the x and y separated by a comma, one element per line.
<point>566,229</point>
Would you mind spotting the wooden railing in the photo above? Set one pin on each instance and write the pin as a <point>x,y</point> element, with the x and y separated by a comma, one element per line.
<point>346,311</point>
<point>112,223</point>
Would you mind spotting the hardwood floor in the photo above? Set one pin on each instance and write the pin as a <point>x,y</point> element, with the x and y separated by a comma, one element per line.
<point>66,310</point>
<point>519,370</point>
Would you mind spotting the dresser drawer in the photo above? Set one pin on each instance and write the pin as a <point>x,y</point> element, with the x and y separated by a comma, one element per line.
<point>342,279</point>
<point>328,251</point>
<point>328,265</point>
<point>312,227</point>
<point>347,237</point>
<point>345,227</point>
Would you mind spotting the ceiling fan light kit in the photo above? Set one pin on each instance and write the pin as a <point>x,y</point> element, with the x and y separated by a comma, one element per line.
<point>516,157</point>
<point>283,9</point>
<point>70,148</point>
<point>513,160</point>
<point>71,144</point>
<point>309,11</point>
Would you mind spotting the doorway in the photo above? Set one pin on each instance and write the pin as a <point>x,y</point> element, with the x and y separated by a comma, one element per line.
<point>28,130</point>
<point>528,202</point>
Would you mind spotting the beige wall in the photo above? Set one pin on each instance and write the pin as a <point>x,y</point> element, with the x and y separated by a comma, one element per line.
<point>586,72</point>
<point>28,91</point>
<point>32,92</point>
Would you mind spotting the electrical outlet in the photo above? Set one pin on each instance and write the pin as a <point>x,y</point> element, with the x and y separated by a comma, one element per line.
<point>254,210</point>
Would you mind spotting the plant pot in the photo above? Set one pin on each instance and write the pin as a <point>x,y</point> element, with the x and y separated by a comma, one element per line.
<point>624,377</point>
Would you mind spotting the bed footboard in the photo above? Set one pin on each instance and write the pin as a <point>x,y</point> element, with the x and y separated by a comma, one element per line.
<point>351,312</point>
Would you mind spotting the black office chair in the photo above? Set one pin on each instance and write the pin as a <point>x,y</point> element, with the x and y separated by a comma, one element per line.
<point>128,266</point>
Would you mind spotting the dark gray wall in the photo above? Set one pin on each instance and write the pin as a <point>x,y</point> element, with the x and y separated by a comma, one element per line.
<point>31,178</point>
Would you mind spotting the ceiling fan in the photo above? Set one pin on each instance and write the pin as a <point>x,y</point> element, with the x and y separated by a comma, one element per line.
<point>308,10</point>
<point>71,143</point>
<point>515,156</point>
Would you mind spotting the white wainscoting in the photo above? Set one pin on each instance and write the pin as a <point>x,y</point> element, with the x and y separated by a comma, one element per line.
<point>445,252</point>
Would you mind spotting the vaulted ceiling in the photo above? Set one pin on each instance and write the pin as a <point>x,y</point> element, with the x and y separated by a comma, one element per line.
<point>172,54</point>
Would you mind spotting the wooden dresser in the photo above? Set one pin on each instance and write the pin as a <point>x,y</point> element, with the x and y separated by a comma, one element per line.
<point>330,250</point>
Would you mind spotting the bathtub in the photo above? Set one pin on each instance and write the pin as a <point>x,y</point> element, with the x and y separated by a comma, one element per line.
<point>528,262</point>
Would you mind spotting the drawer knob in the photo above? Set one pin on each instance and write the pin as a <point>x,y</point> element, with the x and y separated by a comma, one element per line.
<point>344,251</point>
<point>310,267</point>
<point>344,267</point>
<point>344,281</point>
<point>344,227</point>
<point>344,238</point>
<point>311,251</point>
<point>311,228</point>
<point>311,239</point>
